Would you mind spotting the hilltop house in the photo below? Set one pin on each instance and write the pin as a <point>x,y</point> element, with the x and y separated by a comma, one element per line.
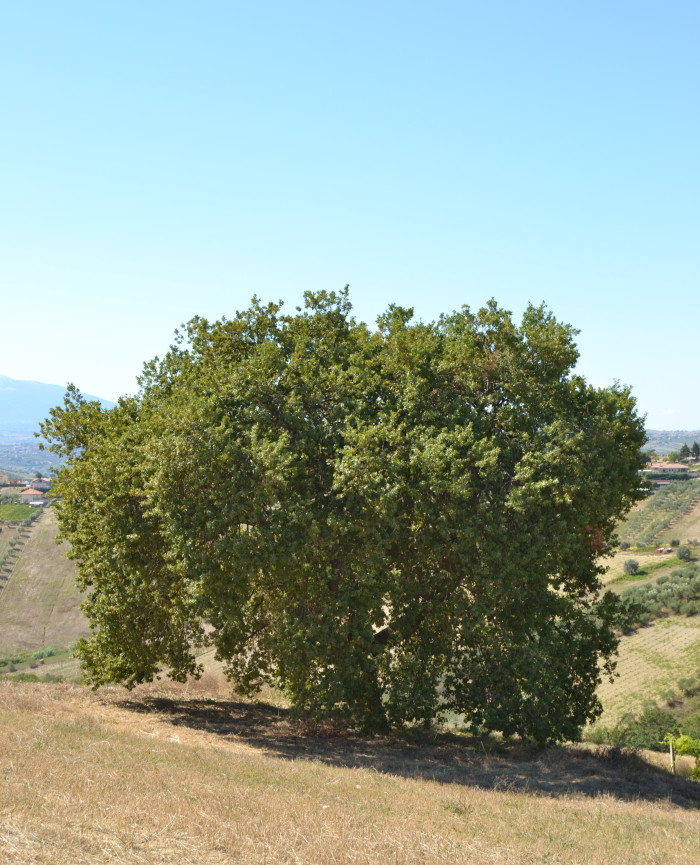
<point>667,468</point>
<point>32,497</point>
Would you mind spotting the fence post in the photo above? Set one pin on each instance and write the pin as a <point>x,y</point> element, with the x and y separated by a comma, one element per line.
<point>673,758</point>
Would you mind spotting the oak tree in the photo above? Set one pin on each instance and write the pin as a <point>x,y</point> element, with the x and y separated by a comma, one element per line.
<point>390,524</point>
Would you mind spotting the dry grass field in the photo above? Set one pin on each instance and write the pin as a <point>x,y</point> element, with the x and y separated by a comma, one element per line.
<point>188,775</point>
<point>40,603</point>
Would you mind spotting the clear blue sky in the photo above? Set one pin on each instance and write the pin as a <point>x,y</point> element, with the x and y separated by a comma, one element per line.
<point>161,160</point>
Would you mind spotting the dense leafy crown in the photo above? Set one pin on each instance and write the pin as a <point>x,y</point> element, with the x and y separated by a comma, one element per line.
<point>390,525</point>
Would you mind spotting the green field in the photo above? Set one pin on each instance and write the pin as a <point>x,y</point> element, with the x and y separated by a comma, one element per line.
<point>15,513</point>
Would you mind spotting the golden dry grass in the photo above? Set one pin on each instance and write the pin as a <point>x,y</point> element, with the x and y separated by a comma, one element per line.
<point>188,775</point>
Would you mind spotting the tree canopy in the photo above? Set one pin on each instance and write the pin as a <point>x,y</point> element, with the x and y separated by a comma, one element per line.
<point>390,524</point>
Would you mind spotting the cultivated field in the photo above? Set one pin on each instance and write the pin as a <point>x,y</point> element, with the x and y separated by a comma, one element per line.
<point>661,516</point>
<point>652,660</point>
<point>183,776</point>
<point>39,605</point>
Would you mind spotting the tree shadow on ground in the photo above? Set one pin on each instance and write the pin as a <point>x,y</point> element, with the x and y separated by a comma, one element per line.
<point>447,758</point>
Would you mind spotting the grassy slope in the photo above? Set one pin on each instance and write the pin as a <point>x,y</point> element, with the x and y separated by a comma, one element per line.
<point>39,605</point>
<point>182,777</point>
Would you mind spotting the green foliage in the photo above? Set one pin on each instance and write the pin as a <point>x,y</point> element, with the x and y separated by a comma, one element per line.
<point>44,653</point>
<point>684,745</point>
<point>677,593</point>
<point>624,545</point>
<point>391,525</point>
<point>649,727</point>
<point>684,553</point>
<point>631,566</point>
<point>645,730</point>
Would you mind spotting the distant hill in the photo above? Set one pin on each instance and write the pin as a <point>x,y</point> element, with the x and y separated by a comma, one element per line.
<point>665,441</point>
<point>23,404</point>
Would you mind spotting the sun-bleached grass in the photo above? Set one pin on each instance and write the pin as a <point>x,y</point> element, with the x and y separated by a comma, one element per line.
<point>190,775</point>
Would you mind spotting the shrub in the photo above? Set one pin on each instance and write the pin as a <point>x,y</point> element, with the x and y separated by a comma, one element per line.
<point>44,653</point>
<point>631,566</point>
<point>643,731</point>
<point>624,545</point>
<point>675,542</point>
<point>688,685</point>
<point>683,553</point>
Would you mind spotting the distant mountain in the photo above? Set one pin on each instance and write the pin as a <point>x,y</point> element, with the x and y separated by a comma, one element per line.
<point>24,403</point>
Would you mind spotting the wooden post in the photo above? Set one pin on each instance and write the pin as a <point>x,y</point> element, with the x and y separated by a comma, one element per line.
<point>673,759</point>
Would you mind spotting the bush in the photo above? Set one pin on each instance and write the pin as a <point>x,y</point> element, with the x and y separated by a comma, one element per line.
<point>44,653</point>
<point>675,542</point>
<point>624,545</point>
<point>631,566</point>
<point>688,685</point>
<point>683,553</point>
<point>643,731</point>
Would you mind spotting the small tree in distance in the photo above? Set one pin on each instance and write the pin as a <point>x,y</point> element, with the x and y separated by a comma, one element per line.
<point>631,566</point>
<point>683,553</point>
